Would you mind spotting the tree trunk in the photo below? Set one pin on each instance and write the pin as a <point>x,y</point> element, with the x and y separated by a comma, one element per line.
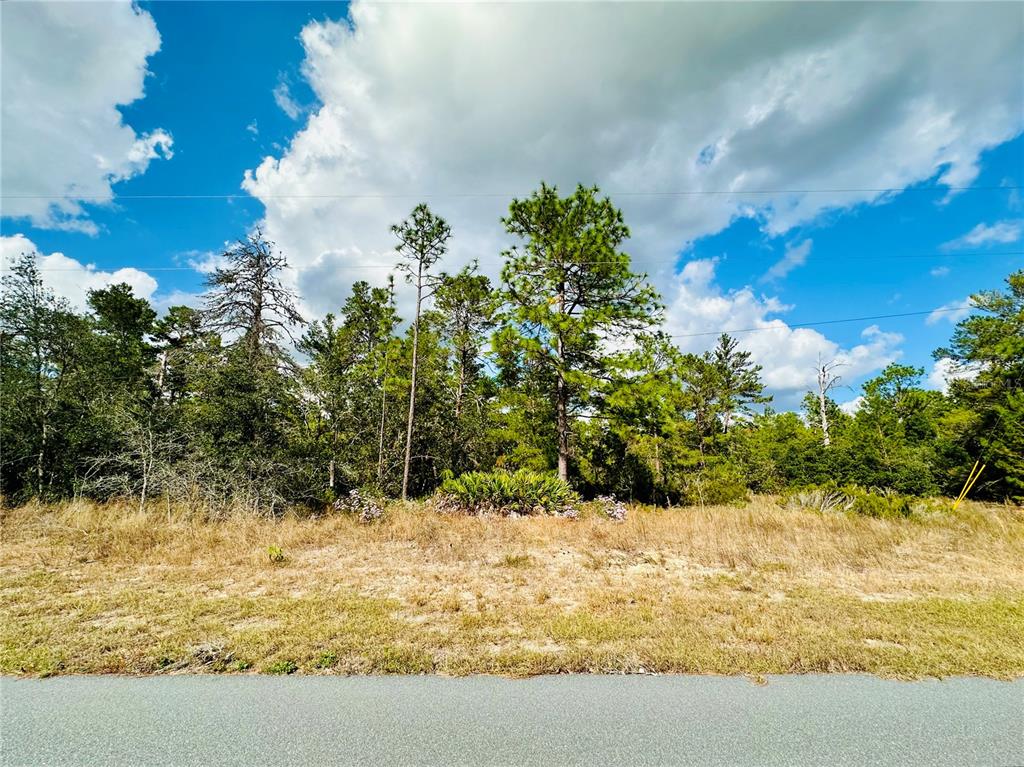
<point>562,415</point>
<point>823,411</point>
<point>462,387</point>
<point>383,411</point>
<point>39,462</point>
<point>562,401</point>
<point>160,375</point>
<point>824,384</point>
<point>145,485</point>
<point>412,383</point>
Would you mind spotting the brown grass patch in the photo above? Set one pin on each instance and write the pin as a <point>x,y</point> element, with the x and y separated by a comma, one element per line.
<point>761,589</point>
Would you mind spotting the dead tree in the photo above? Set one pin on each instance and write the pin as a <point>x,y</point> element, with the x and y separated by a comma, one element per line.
<point>827,380</point>
<point>246,297</point>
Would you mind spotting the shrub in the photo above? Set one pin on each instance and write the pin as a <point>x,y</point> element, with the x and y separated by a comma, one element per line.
<point>880,503</point>
<point>714,485</point>
<point>611,507</point>
<point>823,499</point>
<point>869,502</point>
<point>509,494</point>
<point>364,506</point>
<point>275,554</point>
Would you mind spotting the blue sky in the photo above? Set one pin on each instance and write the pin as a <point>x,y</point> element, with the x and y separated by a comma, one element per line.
<point>446,103</point>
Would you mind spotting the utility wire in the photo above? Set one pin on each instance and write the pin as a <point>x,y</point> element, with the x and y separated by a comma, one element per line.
<point>471,195</point>
<point>789,326</point>
<point>678,260</point>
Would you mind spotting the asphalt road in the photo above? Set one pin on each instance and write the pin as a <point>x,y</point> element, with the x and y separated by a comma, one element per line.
<point>565,720</point>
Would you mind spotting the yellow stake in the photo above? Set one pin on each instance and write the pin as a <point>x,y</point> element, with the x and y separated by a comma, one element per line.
<point>960,497</point>
<point>970,483</point>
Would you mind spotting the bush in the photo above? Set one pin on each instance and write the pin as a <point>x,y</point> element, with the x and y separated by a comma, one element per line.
<point>714,485</point>
<point>879,503</point>
<point>365,507</point>
<point>509,494</point>
<point>611,507</point>
<point>868,502</point>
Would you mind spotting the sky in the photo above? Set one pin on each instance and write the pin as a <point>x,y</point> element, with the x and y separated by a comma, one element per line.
<point>778,164</point>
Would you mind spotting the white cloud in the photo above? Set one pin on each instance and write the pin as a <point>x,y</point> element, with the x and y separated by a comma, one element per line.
<point>72,279</point>
<point>283,98</point>
<point>789,355</point>
<point>204,261</point>
<point>851,407</point>
<point>795,255</point>
<point>945,370</point>
<point>952,312</point>
<point>66,69</point>
<point>451,99</point>
<point>176,297</point>
<point>939,271</point>
<point>1001,233</point>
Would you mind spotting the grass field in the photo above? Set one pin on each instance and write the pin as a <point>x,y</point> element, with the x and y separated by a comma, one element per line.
<point>86,588</point>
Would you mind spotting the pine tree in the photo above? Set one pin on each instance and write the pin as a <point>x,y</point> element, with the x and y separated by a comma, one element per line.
<point>572,295</point>
<point>422,241</point>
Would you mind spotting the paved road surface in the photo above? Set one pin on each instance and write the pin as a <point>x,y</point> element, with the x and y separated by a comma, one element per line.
<point>566,720</point>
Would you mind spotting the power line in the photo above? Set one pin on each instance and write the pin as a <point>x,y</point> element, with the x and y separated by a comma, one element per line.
<point>482,195</point>
<point>677,260</point>
<point>789,326</point>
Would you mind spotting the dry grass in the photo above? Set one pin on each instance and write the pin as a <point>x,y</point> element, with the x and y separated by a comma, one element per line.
<point>88,588</point>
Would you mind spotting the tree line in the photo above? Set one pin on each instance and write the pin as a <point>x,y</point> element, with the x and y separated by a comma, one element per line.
<point>561,366</point>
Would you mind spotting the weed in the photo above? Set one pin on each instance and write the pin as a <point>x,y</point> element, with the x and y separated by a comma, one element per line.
<point>517,560</point>
<point>450,604</point>
<point>275,554</point>
<point>282,667</point>
<point>325,660</point>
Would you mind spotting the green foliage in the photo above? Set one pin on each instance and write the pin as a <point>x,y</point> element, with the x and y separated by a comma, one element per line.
<point>558,369</point>
<point>275,554</point>
<point>507,493</point>
<point>282,667</point>
<point>989,347</point>
<point>715,484</point>
<point>571,294</point>
<point>353,429</point>
<point>833,498</point>
<point>325,660</point>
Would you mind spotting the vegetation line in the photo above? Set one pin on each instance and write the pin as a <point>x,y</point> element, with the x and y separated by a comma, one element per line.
<point>561,367</point>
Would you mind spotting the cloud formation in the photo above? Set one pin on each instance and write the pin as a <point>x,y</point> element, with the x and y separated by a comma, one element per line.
<point>701,308</point>
<point>946,370</point>
<point>72,279</point>
<point>952,311</point>
<point>687,115</point>
<point>795,255</point>
<point>66,67</point>
<point>284,100</point>
<point>999,233</point>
